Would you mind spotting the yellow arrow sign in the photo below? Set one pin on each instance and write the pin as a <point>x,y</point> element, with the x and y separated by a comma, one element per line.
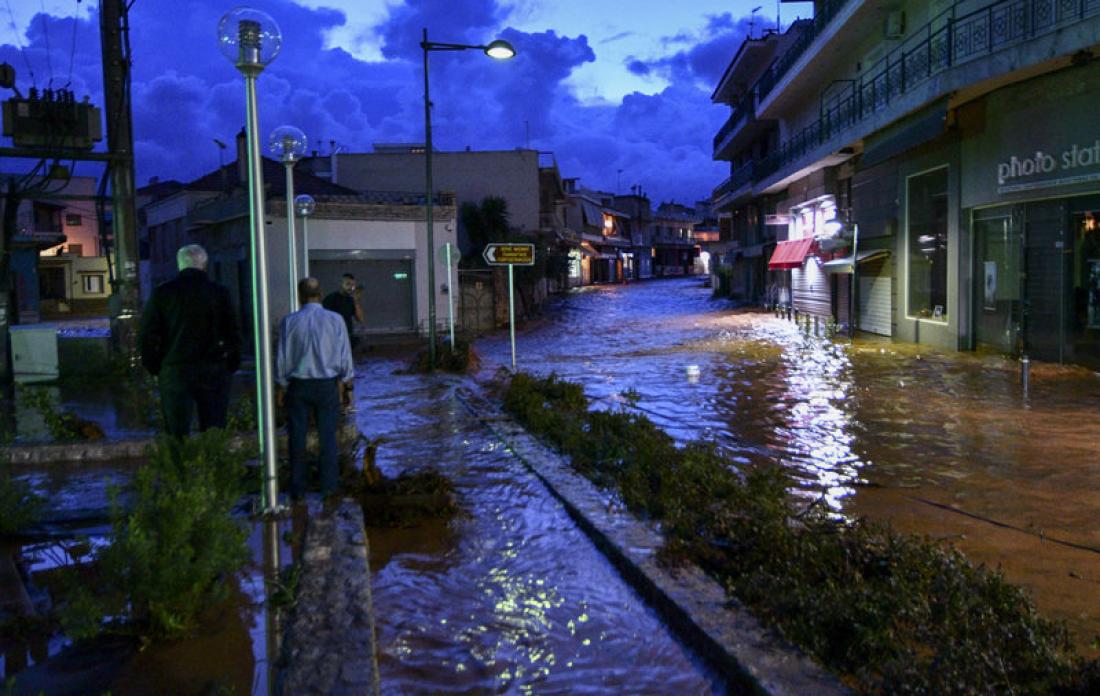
<point>499,254</point>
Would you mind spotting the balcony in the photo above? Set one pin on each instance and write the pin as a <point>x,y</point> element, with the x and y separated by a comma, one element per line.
<point>736,187</point>
<point>740,129</point>
<point>782,64</point>
<point>945,43</point>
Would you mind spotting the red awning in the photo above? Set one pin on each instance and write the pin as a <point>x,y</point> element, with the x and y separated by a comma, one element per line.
<point>790,254</point>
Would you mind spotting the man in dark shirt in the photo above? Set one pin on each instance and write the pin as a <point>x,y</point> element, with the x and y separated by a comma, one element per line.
<point>189,341</point>
<point>345,302</point>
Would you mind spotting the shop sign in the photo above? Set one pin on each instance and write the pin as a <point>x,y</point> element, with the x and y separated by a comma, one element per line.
<point>1076,164</point>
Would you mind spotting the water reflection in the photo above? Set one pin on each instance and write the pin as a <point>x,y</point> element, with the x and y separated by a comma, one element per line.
<point>235,649</point>
<point>511,597</point>
<point>873,427</point>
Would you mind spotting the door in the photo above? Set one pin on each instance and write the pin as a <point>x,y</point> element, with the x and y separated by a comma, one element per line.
<point>51,283</point>
<point>996,280</point>
<point>874,295</point>
<point>388,300</point>
<point>1047,267</point>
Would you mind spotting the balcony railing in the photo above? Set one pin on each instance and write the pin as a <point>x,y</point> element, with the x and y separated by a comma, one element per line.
<point>945,42</point>
<point>779,67</point>
<point>740,178</point>
<point>746,108</point>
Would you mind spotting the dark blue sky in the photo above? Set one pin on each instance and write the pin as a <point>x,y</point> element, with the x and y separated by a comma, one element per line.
<point>628,94</point>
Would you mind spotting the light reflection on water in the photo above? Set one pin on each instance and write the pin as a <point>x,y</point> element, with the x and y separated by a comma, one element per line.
<point>511,597</point>
<point>875,428</point>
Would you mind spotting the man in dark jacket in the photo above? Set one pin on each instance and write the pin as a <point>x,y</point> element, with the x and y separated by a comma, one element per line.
<point>189,341</point>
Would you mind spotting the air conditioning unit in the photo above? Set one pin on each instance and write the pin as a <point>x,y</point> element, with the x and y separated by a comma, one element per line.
<point>895,24</point>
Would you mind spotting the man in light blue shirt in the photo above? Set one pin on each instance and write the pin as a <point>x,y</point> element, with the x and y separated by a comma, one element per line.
<point>312,360</point>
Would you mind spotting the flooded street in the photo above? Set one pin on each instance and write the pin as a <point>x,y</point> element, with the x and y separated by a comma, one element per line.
<point>509,597</point>
<point>941,444</point>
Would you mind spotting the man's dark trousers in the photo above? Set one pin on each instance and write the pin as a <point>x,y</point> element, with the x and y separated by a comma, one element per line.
<point>204,387</point>
<point>319,396</point>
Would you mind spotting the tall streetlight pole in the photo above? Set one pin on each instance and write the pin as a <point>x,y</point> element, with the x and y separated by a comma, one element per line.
<point>250,39</point>
<point>305,206</point>
<point>289,144</point>
<point>500,50</point>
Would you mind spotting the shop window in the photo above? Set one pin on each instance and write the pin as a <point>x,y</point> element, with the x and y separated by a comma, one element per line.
<point>93,284</point>
<point>927,215</point>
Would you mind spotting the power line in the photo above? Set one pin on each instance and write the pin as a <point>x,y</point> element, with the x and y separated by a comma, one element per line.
<point>46,31</point>
<point>18,42</point>
<point>72,49</point>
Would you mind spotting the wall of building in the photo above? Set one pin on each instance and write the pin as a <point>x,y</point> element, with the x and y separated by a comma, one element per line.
<point>364,239</point>
<point>509,174</point>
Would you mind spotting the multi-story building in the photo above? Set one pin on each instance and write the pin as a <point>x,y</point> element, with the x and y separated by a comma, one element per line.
<point>606,247</point>
<point>59,260</point>
<point>673,238</point>
<point>959,139</point>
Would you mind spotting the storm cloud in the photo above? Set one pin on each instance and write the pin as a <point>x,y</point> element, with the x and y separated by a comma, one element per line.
<point>186,94</point>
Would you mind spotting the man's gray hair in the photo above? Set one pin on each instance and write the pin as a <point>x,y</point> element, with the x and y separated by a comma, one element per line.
<point>191,256</point>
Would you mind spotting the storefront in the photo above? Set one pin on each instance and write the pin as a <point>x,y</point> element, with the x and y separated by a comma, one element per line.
<point>1032,203</point>
<point>812,240</point>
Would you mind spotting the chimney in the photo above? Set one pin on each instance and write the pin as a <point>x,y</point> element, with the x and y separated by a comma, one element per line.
<point>242,157</point>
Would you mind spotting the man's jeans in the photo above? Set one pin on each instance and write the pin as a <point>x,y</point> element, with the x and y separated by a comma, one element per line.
<point>320,397</point>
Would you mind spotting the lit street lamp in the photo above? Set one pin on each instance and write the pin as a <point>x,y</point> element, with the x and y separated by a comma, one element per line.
<point>499,50</point>
<point>289,144</point>
<point>250,39</point>
<point>305,206</point>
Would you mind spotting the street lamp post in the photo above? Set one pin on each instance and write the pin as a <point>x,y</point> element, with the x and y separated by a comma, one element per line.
<point>250,39</point>
<point>305,205</point>
<point>289,144</point>
<point>498,49</point>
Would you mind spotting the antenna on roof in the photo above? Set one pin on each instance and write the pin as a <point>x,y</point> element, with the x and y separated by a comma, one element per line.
<point>752,20</point>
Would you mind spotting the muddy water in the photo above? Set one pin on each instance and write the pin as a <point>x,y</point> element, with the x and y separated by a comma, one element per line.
<point>510,597</point>
<point>941,444</point>
<point>234,650</point>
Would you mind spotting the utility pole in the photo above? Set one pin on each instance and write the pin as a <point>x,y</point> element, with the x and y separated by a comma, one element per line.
<point>125,301</point>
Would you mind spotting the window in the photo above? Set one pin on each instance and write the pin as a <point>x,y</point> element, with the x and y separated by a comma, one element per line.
<point>926,204</point>
<point>72,220</point>
<point>93,284</point>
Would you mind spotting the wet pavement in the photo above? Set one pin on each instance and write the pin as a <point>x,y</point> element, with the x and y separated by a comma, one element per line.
<point>942,444</point>
<point>509,597</point>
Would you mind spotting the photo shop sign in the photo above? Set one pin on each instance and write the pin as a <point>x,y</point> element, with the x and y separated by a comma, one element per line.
<point>1076,164</point>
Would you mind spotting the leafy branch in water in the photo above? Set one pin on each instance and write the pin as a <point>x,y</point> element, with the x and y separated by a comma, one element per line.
<point>173,551</point>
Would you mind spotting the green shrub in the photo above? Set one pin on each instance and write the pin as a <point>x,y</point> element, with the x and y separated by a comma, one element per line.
<point>891,613</point>
<point>172,552</point>
<point>20,507</point>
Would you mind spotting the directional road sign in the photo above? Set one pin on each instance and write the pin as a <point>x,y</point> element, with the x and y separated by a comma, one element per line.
<point>500,254</point>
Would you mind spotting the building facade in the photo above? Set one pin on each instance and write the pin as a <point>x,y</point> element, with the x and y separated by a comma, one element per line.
<point>931,169</point>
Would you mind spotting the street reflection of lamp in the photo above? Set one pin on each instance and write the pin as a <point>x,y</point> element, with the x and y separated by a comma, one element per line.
<point>305,206</point>
<point>289,144</point>
<point>498,49</point>
<point>250,39</point>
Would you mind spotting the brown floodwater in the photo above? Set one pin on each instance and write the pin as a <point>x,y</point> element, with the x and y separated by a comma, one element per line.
<point>233,650</point>
<point>941,444</point>
<point>509,596</point>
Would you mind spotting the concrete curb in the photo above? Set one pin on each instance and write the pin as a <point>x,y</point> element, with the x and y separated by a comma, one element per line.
<point>329,645</point>
<point>734,642</point>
